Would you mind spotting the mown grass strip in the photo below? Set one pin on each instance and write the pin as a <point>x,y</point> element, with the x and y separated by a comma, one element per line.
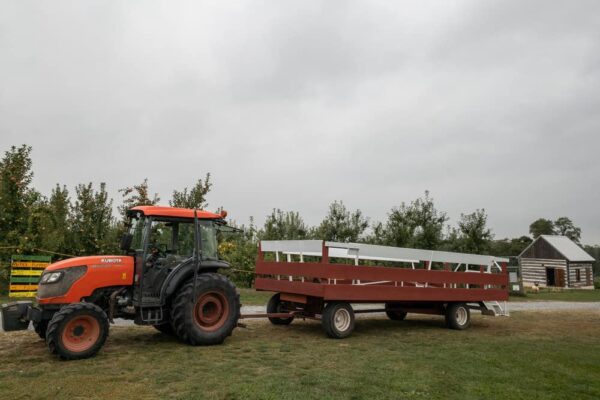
<point>526,356</point>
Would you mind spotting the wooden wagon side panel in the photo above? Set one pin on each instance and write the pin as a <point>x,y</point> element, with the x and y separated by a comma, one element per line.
<point>376,284</point>
<point>285,286</point>
<point>370,273</point>
<point>382,293</point>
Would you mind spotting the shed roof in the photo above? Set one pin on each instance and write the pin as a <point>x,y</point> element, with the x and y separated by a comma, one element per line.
<point>565,246</point>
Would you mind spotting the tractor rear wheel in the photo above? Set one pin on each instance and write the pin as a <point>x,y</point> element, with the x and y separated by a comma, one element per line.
<point>274,306</point>
<point>77,331</point>
<point>209,315</point>
<point>167,328</point>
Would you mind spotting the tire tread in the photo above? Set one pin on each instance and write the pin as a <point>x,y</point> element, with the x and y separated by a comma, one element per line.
<point>53,334</point>
<point>179,310</point>
<point>327,320</point>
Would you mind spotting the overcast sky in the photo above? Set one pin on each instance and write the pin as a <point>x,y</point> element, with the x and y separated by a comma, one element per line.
<point>486,104</point>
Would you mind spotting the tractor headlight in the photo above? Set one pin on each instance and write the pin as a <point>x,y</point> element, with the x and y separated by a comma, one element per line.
<point>51,277</point>
<point>57,283</point>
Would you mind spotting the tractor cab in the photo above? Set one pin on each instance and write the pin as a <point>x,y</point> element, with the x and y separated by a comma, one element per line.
<point>161,239</point>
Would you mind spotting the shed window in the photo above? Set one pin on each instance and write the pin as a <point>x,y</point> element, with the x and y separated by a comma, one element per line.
<point>578,274</point>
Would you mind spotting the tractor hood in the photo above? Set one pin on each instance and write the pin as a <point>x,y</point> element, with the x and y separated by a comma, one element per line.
<point>92,262</point>
<point>79,277</point>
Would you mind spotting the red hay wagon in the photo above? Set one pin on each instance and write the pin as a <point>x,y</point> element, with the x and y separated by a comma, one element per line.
<point>311,280</point>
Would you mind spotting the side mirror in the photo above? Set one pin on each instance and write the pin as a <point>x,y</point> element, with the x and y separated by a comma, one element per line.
<point>126,241</point>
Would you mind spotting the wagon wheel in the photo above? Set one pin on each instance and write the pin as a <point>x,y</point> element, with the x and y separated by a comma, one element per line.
<point>338,320</point>
<point>391,310</point>
<point>458,316</point>
<point>275,306</point>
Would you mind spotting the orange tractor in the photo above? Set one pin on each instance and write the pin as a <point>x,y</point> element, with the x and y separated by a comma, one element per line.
<point>168,278</point>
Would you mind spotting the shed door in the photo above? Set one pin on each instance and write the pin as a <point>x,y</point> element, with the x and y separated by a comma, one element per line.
<point>550,277</point>
<point>588,276</point>
<point>559,277</point>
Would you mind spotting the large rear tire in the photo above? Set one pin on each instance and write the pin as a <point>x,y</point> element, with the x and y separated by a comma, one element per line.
<point>274,306</point>
<point>167,329</point>
<point>211,316</point>
<point>338,320</point>
<point>77,331</point>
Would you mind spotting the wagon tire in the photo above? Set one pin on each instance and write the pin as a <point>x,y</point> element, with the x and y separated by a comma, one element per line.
<point>338,320</point>
<point>394,315</point>
<point>458,316</point>
<point>77,331</point>
<point>274,306</point>
<point>40,328</point>
<point>211,316</point>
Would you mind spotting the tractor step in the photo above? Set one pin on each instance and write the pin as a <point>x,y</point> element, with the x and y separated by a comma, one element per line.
<point>150,302</point>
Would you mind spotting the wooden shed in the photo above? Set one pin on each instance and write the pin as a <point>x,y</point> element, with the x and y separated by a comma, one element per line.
<point>556,261</point>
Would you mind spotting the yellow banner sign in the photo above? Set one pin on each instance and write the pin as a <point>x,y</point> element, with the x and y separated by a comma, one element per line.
<point>23,287</point>
<point>24,271</point>
<point>30,264</point>
<point>22,294</point>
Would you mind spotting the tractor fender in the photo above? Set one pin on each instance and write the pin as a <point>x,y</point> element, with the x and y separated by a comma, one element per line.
<point>184,272</point>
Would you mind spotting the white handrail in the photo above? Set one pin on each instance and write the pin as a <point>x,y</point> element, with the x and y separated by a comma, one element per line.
<point>360,251</point>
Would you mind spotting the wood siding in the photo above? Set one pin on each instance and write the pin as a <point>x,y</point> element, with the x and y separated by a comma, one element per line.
<point>541,249</point>
<point>585,275</point>
<point>534,270</point>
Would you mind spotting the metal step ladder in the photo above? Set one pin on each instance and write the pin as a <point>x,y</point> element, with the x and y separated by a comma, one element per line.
<point>496,308</point>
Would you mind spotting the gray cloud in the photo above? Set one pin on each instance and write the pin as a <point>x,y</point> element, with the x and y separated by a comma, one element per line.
<point>293,105</point>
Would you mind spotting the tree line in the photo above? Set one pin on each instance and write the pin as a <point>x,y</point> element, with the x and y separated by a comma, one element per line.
<point>82,222</point>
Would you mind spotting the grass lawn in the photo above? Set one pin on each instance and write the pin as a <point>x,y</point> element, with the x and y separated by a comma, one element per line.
<point>526,356</point>
<point>563,295</point>
<point>251,297</point>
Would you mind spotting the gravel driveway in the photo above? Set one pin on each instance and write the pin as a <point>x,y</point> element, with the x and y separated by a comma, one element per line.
<point>512,306</point>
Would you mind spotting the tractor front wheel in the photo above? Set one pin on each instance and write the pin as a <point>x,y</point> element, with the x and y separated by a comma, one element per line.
<point>40,328</point>
<point>77,331</point>
<point>207,314</point>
